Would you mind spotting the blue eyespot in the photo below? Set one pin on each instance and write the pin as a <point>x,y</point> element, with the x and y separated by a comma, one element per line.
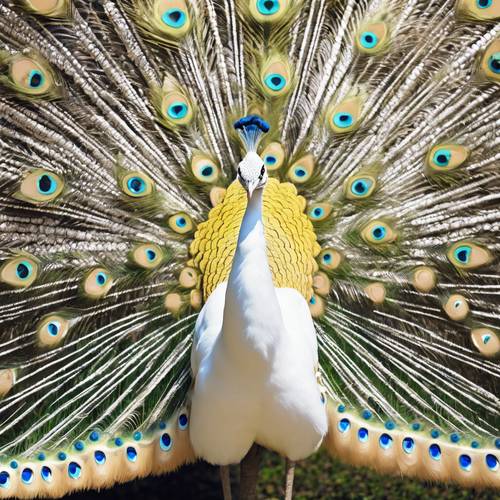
<point>79,446</point>
<point>183,421</point>
<point>385,441</point>
<point>46,184</point>
<point>177,110</point>
<point>435,433</point>
<point>300,172</point>
<point>484,4</point>
<point>465,462</point>
<point>137,436</point>
<point>454,437</point>
<point>492,462</point>
<point>207,171</point>
<point>317,213</point>
<point>368,40</point>
<point>312,300</point>
<point>360,187</point>
<point>343,120</point>
<point>270,160</point>
<point>118,441</point>
<point>363,434</point>
<point>35,79</point>
<point>99,457</point>
<point>344,425</point>
<point>366,414</point>
<point>166,442</point>
<point>474,444</point>
<point>24,270</point>
<point>74,470</point>
<point>268,7</point>
<point>327,258</point>
<point>485,338</point>
<point>4,479</point>
<point>494,63</point>
<point>101,278</point>
<point>131,454</point>
<point>180,222</point>
<point>94,436</point>
<point>435,451</point>
<point>150,254</point>
<point>162,425</point>
<point>463,253</point>
<point>378,233</point>
<point>27,476</point>
<point>416,426</point>
<point>275,81</point>
<point>390,425</point>
<point>61,455</point>
<point>442,157</point>
<point>53,328</point>
<point>41,457</point>
<point>14,465</point>
<point>46,474</point>
<point>408,445</point>
<point>136,185</point>
<point>175,18</point>
<point>341,408</point>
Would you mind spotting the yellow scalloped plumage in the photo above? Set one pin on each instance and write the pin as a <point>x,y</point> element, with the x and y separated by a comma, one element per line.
<point>292,245</point>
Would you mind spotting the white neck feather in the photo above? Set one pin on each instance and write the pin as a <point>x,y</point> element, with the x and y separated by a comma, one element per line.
<point>252,318</point>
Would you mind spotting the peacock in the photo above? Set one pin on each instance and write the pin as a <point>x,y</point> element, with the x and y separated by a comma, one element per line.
<point>235,224</point>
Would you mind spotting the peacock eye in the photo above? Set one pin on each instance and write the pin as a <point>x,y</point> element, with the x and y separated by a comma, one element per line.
<point>359,187</point>
<point>378,232</point>
<point>274,156</point>
<point>97,283</point>
<point>147,256</point>
<point>489,65</point>
<point>268,7</point>
<point>301,170</point>
<point>49,8</point>
<point>176,109</point>
<point>204,169</point>
<point>373,38</point>
<point>35,79</point>
<point>137,185</point>
<point>40,186</point>
<point>385,441</point>
<point>74,470</point>
<point>345,116</point>
<point>268,11</point>
<point>174,18</point>
<point>165,17</point>
<point>275,81</point>
<point>319,211</point>
<point>343,119</point>
<point>408,445</point>
<point>31,75</point>
<point>446,157</point>
<point>4,479</point>
<point>329,259</point>
<point>51,330</point>
<point>368,40</point>
<point>181,223</point>
<point>494,63</point>
<point>19,271</point>
<point>27,475</point>
<point>486,341</point>
<point>276,76</point>
<point>469,255</point>
<point>166,441</point>
<point>484,4</point>
<point>99,457</point>
<point>46,474</point>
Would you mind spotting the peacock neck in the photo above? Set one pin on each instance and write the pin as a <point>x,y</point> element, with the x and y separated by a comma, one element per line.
<point>252,318</point>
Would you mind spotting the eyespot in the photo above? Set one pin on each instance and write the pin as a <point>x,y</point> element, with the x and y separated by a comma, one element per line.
<point>490,459</point>
<point>424,279</point>
<point>456,307</point>
<point>31,76</point>
<point>27,475</point>
<point>204,169</point>
<point>372,38</point>
<point>329,259</point>
<point>147,256</point>
<point>268,11</point>
<point>321,283</point>
<point>301,170</point>
<point>97,283</point>
<point>385,441</point>
<point>189,277</point>
<point>136,185</point>
<point>408,445</point>
<point>20,271</point>
<point>489,65</point>
<point>469,255</point>
<point>166,442</point>
<point>363,434</point>
<point>51,330</point>
<point>74,470</point>
<point>478,10</point>
<point>99,457</point>
<point>465,462</point>
<point>344,425</point>
<point>319,211</point>
<point>4,479</point>
<point>176,109</point>
<point>276,76</point>
<point>435,451</point>
<point>316,306</point>
<point>40,186</point>
<point>273,156</point>
<point>217,195</point>
<point>183,421</point>
<point>378,232</point>
<point>446,157</point>
<point>486,341</point>
<point>345,116</point>
<point>131,454</point>
<point>376,292</point>
<point>359,187</point>
<point>48,8</point>
<point>181,223</point>
<point>171,17</point>
<point>46,474</point>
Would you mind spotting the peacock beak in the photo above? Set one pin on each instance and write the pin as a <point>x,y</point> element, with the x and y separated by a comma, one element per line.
<point>251,185</point>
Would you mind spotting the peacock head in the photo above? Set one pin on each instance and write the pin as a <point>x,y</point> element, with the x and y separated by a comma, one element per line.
<point>252,172</point>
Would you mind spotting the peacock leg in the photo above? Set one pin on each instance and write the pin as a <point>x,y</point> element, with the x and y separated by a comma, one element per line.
<point>290,472</point>
<point>226,481</point>
<point>249,473</point>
